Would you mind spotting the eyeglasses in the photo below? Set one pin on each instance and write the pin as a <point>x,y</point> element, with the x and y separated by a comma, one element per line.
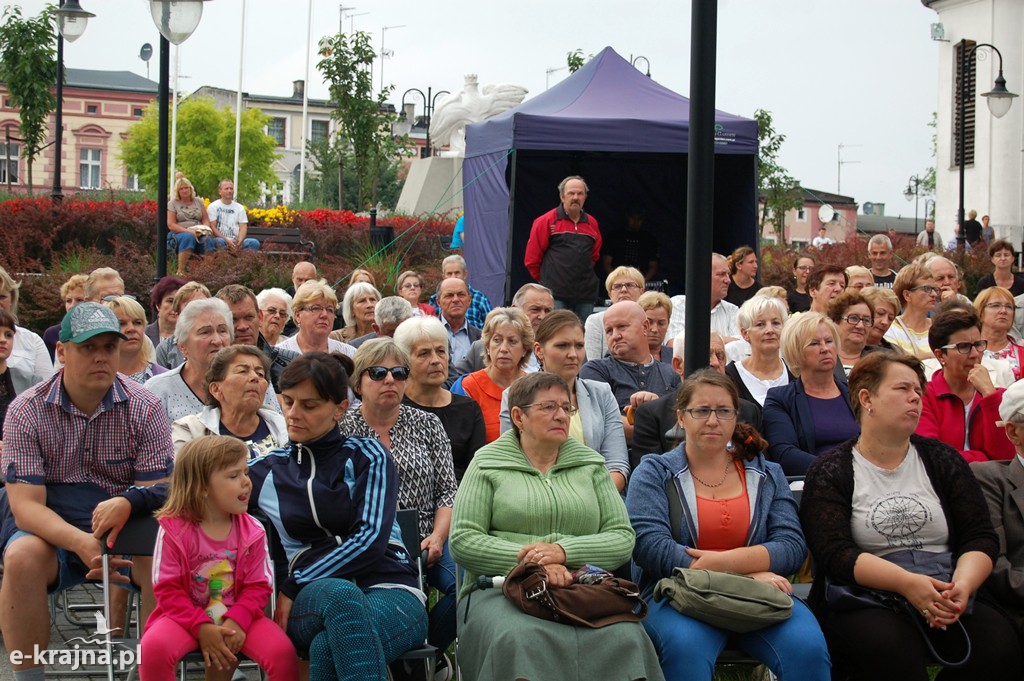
<point>999,306</point>
<point>274,312</point>
<point>411,286</point>
<point>549,408</point>
<point>317,309</point>
<point>854,320</point>
<point>965,347</point>
<point>804,268</point>
<point>625,286</point>
<point>378,373</point>
<point>930,290</point>
<point>704,413</point>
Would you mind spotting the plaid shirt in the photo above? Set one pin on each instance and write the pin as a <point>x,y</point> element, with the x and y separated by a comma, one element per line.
<point>479,306</point>
<point>48,440</point>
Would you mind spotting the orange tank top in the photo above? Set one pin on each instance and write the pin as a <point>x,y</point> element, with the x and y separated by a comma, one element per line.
<point>722,524</point>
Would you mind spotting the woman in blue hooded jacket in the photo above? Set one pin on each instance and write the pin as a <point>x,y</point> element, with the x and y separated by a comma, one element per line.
<point>737,515</point>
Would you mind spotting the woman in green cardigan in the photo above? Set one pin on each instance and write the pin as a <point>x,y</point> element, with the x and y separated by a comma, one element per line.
<point>535,494</point>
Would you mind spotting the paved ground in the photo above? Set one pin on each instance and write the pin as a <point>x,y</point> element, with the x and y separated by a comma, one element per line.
<point>63,630</point>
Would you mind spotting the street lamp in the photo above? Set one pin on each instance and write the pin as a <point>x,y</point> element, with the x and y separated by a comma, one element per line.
<point>999,101</point>
<point>176,20</point>
<point>634,60</point>
<point>429,104</point>
<point>71,23</point>
<point>913,191</point>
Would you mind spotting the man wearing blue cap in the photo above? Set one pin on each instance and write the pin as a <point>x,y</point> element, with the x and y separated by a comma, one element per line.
<point>70,442</point>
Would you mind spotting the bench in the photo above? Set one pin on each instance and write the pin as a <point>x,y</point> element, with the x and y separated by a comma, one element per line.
<point>281,237</point>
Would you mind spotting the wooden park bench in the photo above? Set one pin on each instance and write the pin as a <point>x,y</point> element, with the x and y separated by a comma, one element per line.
<point>281,241</point>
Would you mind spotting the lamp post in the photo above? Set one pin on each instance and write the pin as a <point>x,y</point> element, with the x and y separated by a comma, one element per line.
<point>71,23</point>
<point>913,192</point>
<point>633,60</point>
<point>999,101</point>
<point>429,104</point>
<point>176,20</point>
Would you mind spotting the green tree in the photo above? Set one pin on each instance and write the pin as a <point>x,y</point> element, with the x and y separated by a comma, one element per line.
<point>28,66</point>
<point>206,149</point>
<point>364,122</point>
<point>775,186</point>
<point>575,60</point>
<point>322,183</point>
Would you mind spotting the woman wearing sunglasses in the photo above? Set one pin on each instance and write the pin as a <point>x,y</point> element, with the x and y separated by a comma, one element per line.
<point>961,405</point>
<point>423,456</point>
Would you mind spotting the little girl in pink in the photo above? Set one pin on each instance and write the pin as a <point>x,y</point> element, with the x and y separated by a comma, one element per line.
<point>211,571</point>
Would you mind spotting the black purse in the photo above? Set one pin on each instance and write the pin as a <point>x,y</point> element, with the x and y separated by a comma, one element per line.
<point>950,648</point>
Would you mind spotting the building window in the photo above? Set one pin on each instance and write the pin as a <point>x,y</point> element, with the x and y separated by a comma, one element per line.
<point>275,129</point>
<point>92,109</point>
<point>89,168</point>
<point>969,104</point>
<point>131,183</point>
<point>319,130</point>
<point>801,214</point>
<point>9,163</point>
<point>137,112</point>
<point>7,103</point>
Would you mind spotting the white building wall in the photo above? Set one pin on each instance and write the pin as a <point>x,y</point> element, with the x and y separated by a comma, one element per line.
<point>993,184</point>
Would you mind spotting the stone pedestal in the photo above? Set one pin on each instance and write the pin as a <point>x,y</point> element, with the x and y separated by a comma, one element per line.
<point>434,185</point>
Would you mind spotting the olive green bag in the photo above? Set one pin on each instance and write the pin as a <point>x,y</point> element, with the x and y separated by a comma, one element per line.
<point>728,601</point>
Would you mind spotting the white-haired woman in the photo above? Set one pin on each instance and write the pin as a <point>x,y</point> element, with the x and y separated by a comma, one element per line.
<point>425,341</point>
<point>508,338</point>
<point>204,327</point>
<point>314,306</point>
<point>137,352</point>
<point>276,306</point>
<point>761,320</point>
<point>422,453</point>
<point>357,310</point>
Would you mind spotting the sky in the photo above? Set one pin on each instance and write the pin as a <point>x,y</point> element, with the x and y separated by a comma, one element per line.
<point>857,73</point>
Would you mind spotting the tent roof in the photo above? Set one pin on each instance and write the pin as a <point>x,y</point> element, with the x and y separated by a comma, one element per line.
<point>607,105</point>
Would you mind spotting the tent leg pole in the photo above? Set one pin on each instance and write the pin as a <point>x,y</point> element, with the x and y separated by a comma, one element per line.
<point>511,228</point>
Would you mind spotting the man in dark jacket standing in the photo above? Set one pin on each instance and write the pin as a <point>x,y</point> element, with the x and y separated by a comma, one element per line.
<point>564,246</point>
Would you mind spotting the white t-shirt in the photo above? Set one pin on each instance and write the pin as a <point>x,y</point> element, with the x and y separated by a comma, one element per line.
<point>227,217</point>
<point>896,509</point>
<point>723,319</point>
<point>759,388</point>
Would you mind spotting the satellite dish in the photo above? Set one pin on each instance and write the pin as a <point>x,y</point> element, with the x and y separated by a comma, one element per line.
<point>869,208</point>
<point>146,52</point>
<point>826,213</point>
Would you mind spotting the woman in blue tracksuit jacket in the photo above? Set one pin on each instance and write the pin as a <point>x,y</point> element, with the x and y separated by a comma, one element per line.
<point>743,520</point>
<point>350,597</point>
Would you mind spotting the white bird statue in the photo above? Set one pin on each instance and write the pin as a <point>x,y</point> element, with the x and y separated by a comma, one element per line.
<point>472,104</point>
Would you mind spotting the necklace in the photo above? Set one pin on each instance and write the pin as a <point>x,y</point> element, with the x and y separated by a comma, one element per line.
<point>725,474</point>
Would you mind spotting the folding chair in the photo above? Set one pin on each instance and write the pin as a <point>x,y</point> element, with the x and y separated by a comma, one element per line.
<point>408,523</point>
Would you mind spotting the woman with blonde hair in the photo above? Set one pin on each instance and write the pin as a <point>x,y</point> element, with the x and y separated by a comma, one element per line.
<point>995,306</point>
<point>743,284</point>
<point>858,277</point>
<point>314,304</point>
<point>812,414</point>
<point>508,339</point>
<point>72,292</point>
<point>188,222</point>
<point>137,352</point>
<point>915,288</point>
<point>885,306</point>
<point>658,308</point>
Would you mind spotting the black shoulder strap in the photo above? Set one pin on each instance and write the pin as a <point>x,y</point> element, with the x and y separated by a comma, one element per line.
<point>675,507</point>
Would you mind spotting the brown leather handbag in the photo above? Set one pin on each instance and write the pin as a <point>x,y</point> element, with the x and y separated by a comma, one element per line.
<point>609,601</point>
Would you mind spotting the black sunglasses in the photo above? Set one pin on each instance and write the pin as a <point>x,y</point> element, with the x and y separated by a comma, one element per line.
<point>378,373</point>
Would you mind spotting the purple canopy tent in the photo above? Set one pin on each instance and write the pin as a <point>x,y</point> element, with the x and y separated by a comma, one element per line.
<point>628,137</point>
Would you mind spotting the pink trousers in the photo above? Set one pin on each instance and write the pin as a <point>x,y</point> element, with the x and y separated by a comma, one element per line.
<point>165,642</point>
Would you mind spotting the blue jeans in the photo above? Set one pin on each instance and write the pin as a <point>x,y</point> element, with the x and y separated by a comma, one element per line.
<point>247,244</point>
<point>582,310</point>
<point>441,576</point>
<point>186,241</point>
<point>795,649</point>
<point>352,633</point>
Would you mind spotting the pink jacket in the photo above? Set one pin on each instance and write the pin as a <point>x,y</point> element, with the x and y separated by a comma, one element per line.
<point>942,418</point>
<point>177,544</point>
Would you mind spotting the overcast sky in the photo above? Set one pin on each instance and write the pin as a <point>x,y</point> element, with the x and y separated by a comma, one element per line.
<point>861,73</point>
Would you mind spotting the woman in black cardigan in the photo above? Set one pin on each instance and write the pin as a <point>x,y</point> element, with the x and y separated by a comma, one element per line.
<point>760,321</point>
<point>888,491</point>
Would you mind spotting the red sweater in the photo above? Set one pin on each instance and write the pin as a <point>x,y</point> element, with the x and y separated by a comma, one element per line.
<point>942,418</point>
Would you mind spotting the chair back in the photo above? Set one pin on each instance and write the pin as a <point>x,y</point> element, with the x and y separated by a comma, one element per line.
<point>137,537</point>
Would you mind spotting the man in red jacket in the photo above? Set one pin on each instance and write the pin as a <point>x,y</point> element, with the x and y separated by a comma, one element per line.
<point>564,246</point>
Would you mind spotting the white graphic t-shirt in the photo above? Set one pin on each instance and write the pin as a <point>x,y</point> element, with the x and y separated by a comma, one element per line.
<point>896,509</point>
<point>227,217</point>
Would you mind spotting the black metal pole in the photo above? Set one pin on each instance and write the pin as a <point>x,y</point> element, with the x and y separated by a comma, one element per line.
<point>428,110</point>
<point>700,183</point>
<point>57,193</point>
<point>917,197</point>
<point>163,144</point>
<point>961,238</point>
